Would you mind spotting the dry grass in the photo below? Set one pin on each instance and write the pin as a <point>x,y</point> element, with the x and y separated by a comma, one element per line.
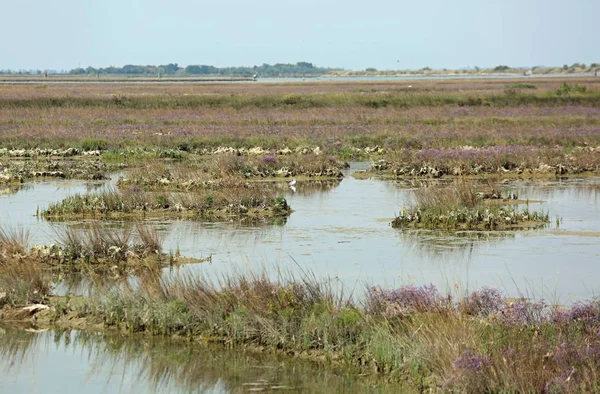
<point>431,342</point>
<point>96,242</point>
<point>14,241</point>
<point>462,192</point>
<point>22,280</point>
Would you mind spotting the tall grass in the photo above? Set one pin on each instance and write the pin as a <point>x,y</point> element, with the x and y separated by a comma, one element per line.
<point>237,199</point>
<point>96,241</point>
<point>22,280</point>
<point>481,342</point>
<point>464,206</point>
<point>14,241</point>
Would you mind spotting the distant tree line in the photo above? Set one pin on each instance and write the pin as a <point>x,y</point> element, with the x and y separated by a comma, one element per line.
<point>165,69</point>
<point>273,70</point>
<point>298,69</point>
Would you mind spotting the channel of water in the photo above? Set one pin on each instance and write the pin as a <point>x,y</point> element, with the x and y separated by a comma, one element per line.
<point>338,230</point>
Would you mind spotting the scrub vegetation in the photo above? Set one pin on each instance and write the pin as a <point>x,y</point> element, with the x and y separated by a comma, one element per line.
<point>226,152</point>
<point>236,200</point>
<point>464,206</point>
<point>412,335</point>
<point>432,128</point>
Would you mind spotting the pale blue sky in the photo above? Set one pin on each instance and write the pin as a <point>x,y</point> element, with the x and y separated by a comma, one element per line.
<point>352,34</point>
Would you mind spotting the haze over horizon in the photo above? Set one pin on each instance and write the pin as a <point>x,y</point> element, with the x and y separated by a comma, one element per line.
<point>387,34</point>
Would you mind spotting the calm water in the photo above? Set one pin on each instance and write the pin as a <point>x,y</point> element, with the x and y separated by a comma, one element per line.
<point>338,230</point>
<point>90,363</point>
<point>342,231</point>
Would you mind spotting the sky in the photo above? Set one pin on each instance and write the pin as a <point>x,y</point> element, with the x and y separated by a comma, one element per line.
<point>350,34</point>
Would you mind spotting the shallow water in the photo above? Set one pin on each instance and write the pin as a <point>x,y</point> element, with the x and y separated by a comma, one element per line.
<point>342,231</point>
<point>338,230</point>
<point>80,362</point>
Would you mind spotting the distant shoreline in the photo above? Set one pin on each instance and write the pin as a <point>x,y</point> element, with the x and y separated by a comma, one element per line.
<point>340,76</point>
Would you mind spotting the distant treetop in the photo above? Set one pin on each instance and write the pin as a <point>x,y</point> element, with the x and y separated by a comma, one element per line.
<point>501,68</point>
<point>298,69</point>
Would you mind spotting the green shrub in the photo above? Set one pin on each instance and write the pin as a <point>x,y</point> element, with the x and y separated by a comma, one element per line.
<point>520,86</point>
<point>565,89</point>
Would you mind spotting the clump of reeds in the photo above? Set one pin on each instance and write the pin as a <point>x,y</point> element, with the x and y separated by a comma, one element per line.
<point>14,241</point>
<point>462,205</point>
<point>22,281</point>
<point>98,244</point>
<point>237,199</point>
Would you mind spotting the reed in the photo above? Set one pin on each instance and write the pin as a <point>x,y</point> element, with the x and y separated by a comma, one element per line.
<point>464,206</point>
<point>238,199</point>
<point>22,280</point>
<point>478,342</point>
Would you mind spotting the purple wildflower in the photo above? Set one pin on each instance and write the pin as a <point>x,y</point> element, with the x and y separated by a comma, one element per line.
<point>524,312</point>
<point>405,300</point>
<point>484,302</point>
<point>586,312</point>
<point>269,159</point>
<point>470,362</point>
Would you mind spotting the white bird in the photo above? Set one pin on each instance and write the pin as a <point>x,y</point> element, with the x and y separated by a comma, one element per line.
<point>292,182</point>
<point>293,188</point>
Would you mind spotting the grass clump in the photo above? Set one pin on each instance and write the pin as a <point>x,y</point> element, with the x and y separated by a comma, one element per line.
<point>96,242</point>
<point>520,86</point>
<point>566,89</point>
<point>462,206</point>
<point>98,249</point>
<point>22,281</point>
<point>240,200</point>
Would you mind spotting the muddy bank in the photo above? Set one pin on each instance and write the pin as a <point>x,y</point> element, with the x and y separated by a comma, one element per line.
<point>19,171</point>
<point>507,161</point>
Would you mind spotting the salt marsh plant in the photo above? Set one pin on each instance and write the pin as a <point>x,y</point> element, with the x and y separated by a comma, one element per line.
<point>243,200</point>
<point>96,242</point>
<point>515,160</point>
<point>229,170</point>
<point>462,206</point>
<point>478,342</point>
<point>22,280</point>
<point>337,117</point>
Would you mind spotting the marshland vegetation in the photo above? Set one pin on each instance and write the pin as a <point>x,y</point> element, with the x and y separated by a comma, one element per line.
<point>439,127</point>
<point>94,248</point>
<point>465,206</point>
<point>414,336</point>
<point>227,151</point>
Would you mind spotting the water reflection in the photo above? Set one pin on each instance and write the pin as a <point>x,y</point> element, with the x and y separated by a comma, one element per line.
<point>308,187</point>
<point>438,243</point>
<point>13,189</point>
<point>84,362</point>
